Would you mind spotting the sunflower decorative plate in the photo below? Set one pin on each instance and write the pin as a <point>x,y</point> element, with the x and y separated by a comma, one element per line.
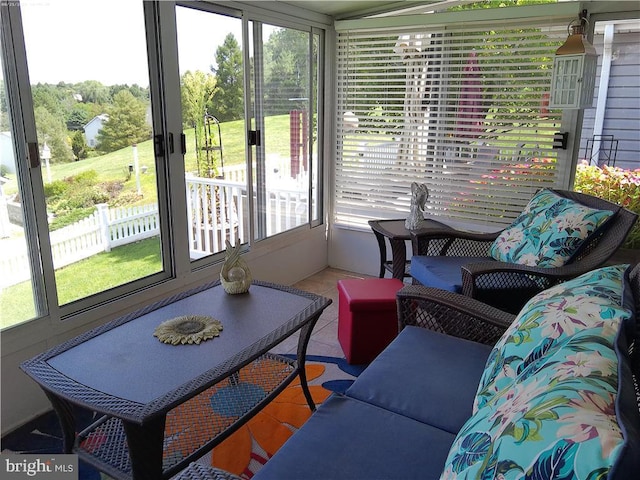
<point>188,329</point>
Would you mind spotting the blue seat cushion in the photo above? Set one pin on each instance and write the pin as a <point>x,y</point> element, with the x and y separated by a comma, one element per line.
<point>346,439</point>
<point>441,271</point>
<point>437,374</point>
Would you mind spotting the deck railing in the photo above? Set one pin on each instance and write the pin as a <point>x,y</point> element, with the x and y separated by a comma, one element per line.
<point>108,228</point>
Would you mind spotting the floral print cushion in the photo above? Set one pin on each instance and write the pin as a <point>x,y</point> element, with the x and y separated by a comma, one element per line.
<point>559,423</point>
<point>548,232</point>
<point>559,417</point>
<point>547,322</point>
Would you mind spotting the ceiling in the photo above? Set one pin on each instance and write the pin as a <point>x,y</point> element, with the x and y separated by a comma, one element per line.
<point>360,8</point>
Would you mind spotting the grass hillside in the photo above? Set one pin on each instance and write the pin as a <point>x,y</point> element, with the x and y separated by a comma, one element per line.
<point>114,166</point>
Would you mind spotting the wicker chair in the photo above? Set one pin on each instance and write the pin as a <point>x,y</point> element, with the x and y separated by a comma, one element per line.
<point>461,259</point>
<point>463,317</point>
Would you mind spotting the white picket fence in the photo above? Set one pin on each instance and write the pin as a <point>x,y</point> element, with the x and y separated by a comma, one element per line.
<point>105,229</point>
<point>108,228</point>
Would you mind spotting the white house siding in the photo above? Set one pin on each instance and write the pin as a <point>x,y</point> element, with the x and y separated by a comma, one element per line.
<point>622,112</point>
<point>92,128</point>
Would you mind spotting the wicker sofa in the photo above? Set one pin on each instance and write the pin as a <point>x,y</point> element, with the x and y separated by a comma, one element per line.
<point>469,391</point>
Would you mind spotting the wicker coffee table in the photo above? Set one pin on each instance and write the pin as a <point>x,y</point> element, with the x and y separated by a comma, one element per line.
<point>162,405</point>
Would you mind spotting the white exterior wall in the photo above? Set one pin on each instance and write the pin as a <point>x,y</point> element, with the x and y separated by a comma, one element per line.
<point>92,128</point>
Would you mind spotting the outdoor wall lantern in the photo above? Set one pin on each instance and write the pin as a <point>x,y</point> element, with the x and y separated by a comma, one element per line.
<point>574,69</point>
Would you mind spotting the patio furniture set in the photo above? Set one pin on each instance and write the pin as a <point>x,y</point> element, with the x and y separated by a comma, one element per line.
<point>461,382</point>
<point>467,390</point>
<point>506,397</point>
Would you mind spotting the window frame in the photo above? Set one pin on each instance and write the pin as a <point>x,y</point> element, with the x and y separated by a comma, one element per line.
<point>179,272</point>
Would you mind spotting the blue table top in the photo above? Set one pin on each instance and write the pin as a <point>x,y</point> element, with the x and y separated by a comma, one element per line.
<point>123,361</point>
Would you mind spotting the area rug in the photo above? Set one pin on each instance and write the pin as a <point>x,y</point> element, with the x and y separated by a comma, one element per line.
<point>244,452</point>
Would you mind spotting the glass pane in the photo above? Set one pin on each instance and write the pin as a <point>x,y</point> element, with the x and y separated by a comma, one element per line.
<point>287,136</point>
<point>17,301</point>
<point>316,198</point>
<point>90,85</point>
<point>211,74</point>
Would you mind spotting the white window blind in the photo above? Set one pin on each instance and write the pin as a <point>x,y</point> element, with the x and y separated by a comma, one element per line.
<point>463,110</point>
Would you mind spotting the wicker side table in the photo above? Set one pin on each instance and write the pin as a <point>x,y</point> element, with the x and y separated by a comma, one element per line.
<point>396,233</point>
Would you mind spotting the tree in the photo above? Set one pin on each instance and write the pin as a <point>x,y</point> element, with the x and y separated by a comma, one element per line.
<point>93,91</point>
<point>286,66</point>
<point>198,88</point>
<point>228,99</point>
<point>136,90</point>
<point>78,117</point>
<point>126,124</point>
<point>79,145</point>
<point>57,99</point>
<point>52,130</point>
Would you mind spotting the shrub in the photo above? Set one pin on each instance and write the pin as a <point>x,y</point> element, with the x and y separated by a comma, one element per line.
<point>88,177</point>
<point>55,189</point>
<point>616,185</point>
<point>69,218</point>
<point>75,197</point>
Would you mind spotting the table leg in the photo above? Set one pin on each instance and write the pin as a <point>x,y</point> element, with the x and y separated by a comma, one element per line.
<point>303,342</point>
<point>145,448</point>
<point>67,421</point>
<point>399,258</point>
<point>383,252</point>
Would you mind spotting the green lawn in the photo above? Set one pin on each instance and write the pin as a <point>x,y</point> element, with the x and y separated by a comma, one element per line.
<point>117,267</point>
<point>115,165</point>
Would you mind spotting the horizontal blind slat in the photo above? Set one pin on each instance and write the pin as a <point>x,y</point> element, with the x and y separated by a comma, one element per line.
<point>481,141</point>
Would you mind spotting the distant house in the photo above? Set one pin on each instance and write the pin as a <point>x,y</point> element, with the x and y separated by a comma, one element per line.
<point>92,128</point>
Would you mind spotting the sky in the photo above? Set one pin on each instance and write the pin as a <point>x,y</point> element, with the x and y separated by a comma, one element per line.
<point>104,40</point>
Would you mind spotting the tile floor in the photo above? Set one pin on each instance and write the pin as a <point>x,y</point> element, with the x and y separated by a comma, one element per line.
<point>324,339</point>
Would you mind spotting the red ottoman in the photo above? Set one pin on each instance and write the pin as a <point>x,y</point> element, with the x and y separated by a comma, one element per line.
<point>367,316</point>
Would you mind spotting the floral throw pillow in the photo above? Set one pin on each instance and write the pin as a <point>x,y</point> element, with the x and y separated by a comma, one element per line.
<point>548,232</point>
<point>557,423</point>
<point>587,303</point>
<point>561,416</point>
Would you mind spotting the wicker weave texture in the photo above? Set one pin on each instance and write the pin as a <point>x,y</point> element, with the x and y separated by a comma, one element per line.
<point>451,313</point>
<point>196,471</point>
<point>508,286</point>
<point>196,423</point>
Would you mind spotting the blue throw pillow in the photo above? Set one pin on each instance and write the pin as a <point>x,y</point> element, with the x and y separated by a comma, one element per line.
<point>549,231</point>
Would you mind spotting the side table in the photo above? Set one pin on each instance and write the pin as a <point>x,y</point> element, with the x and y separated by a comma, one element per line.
<point>395,231</point>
